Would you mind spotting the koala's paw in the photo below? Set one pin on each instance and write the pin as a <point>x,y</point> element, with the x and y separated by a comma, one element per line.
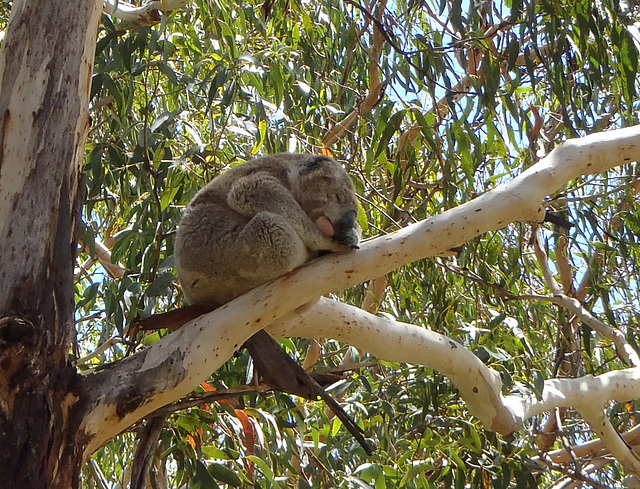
<point>325,226</point>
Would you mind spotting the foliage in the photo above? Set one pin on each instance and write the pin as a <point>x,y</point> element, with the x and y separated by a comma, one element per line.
<point>471,94</point>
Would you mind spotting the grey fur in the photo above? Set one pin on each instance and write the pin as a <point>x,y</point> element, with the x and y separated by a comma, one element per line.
<point>260,220</point>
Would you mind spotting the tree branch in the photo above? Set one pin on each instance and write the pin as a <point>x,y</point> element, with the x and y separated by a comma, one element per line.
<point>148,14</point>
<point>589,449</point>
<point>395,341</point>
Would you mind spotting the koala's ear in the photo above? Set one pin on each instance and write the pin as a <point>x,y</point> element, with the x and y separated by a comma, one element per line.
<point>313,163</point>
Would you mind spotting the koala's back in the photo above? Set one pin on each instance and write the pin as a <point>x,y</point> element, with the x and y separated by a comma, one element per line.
<point>280,166</point>
<point>205,235</point>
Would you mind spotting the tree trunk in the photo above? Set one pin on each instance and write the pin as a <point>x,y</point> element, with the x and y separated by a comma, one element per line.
<point>45,74</point>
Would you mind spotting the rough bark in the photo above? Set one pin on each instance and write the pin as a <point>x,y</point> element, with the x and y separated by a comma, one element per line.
<point>45,74</point>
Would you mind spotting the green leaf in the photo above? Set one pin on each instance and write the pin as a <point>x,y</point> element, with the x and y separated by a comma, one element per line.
<point>224,474</point>
<point>392,126</point>
<point>202,479</point>
<point>168,71</point>
<point>335,426</point>
<point>229,93</point>
<point>265,469</point>
<point>150,339</point>
<point>220,78</point>
<point>161,285</point>
<point>216,453</point>
<point>278,84</point>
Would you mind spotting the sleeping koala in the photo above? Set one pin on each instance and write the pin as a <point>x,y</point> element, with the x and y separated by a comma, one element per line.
<point>261,220</point>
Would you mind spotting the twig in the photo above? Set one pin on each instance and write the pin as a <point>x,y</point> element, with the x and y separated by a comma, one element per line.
<point>98,351</point>
<point>625,350</point>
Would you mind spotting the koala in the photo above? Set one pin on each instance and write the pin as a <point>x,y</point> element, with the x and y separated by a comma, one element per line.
<point>260,220</point>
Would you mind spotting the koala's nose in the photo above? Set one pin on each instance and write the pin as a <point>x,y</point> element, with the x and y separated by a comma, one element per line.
<point>345,229</point>
<point>346,223</point>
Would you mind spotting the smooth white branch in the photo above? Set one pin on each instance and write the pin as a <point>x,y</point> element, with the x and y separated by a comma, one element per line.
<point>146,14</point>
<point>172,367</point>
<point>401,342</point>
<point>589,395</point>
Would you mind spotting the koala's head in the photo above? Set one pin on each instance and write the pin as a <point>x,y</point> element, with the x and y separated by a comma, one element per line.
<point>326,193</point>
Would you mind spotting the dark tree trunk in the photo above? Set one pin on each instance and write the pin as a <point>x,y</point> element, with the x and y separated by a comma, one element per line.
<point>45,74</point>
